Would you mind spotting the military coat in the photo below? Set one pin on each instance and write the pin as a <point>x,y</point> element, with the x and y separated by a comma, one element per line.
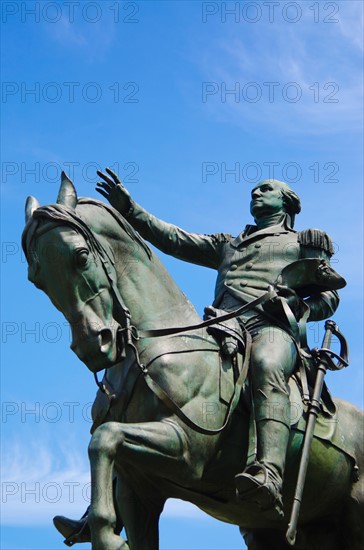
<point>246,264</point>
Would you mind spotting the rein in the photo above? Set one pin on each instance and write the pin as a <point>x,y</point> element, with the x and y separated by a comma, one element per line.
<point>154,333</point>
<point>129,332</point>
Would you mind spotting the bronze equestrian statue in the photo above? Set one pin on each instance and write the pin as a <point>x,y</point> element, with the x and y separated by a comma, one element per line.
<point>151,394</point>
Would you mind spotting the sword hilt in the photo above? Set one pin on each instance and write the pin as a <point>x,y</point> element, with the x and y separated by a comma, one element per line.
<point>324,360</point>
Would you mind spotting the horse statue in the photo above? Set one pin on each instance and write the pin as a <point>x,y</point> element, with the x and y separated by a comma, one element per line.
<point>166,420</point>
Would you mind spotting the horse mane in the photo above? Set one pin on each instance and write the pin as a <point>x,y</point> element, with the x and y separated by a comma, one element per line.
<point>48,217</point>
<point>121,221</point>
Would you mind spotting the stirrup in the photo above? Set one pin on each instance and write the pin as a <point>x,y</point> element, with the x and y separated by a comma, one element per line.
<point>265,493</point>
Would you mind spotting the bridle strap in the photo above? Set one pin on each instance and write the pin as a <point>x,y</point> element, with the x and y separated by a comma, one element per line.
<point>153,333</point>
<point>176,409</point>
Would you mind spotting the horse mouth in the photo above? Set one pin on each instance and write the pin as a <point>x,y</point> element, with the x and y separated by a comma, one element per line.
<point>109,352</point>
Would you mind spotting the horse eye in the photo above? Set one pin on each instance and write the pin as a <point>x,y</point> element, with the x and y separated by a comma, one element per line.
<point>82,257</point>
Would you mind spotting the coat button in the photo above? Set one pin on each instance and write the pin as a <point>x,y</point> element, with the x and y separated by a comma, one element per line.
<point>249,266</point>
<point>258,245</point>
<point>233,267</point>
<point>243,282</point>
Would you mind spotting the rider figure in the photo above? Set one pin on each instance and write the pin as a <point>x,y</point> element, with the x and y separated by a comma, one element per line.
<point>247,265</point>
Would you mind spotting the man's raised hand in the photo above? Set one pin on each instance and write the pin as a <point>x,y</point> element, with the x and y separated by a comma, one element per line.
<point>114,191</point>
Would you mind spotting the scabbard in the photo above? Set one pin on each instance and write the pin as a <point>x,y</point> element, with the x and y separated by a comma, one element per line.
<point>313,413</point>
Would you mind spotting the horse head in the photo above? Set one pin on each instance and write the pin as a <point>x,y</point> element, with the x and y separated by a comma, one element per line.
<point>73,265</point>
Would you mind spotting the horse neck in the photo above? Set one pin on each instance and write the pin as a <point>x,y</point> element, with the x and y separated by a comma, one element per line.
<point>149,292</point>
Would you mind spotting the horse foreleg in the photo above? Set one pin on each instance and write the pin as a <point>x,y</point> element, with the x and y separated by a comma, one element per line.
<point>102,516</point>
<point>140,507</point>
<point>150,446</point>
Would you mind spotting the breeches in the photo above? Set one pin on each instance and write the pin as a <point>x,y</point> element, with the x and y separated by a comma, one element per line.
<point>273,359</point>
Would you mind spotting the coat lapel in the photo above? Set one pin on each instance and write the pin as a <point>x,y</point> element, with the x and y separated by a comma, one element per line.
<point>249,234</point>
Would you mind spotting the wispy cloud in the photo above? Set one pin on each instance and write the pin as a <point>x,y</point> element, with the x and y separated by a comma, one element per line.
<point>351,23</point>
<point>314,64</point>
<point>39,482</point>
<point>68,33</point>
<point>86,37</point>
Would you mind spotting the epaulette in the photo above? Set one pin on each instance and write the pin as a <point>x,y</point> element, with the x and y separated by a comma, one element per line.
<point>220,237</point>
<point>316,238</point>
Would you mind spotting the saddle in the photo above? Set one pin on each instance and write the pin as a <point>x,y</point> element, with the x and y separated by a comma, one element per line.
<point>233,346</point>
<point>229,334</point>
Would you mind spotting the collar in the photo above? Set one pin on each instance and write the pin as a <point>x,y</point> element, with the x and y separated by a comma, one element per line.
<point>252,232</point>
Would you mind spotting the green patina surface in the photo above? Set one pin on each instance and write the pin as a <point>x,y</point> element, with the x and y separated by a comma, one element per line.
<point>142,450</point>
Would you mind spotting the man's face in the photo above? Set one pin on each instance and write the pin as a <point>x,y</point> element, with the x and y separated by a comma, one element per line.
<point>267,199</point>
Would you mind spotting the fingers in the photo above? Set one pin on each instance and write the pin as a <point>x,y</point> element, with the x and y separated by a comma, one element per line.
<point>114,176</point>
<point>104,186</point>
<point>108,180</point>
<point>283,288</point>
<point>286,291</point>
<point>107,187</point>
<point>102,193</point>
<point>280,288</point>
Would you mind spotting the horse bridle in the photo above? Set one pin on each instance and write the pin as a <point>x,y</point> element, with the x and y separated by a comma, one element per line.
<point>129,333</point>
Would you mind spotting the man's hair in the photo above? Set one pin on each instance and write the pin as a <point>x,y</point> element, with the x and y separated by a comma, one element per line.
<point>291,201</point>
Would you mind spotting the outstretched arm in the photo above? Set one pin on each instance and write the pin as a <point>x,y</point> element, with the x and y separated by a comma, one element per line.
<point>200,249</point>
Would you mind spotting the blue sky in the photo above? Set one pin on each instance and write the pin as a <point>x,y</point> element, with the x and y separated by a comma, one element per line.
<point>192,106</point>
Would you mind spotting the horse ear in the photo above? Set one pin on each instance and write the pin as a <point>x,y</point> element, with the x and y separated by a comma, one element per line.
<point>30,205</point>
<point>67,193</point>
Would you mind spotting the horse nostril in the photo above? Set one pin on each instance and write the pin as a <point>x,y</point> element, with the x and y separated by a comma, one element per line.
<point>106,338</point>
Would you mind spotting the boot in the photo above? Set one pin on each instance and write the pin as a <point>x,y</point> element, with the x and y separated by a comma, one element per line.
<point>262,482</point>
<point>73,530</point>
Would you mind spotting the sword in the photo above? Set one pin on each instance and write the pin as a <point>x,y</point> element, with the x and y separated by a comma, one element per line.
<point>324,359</point>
